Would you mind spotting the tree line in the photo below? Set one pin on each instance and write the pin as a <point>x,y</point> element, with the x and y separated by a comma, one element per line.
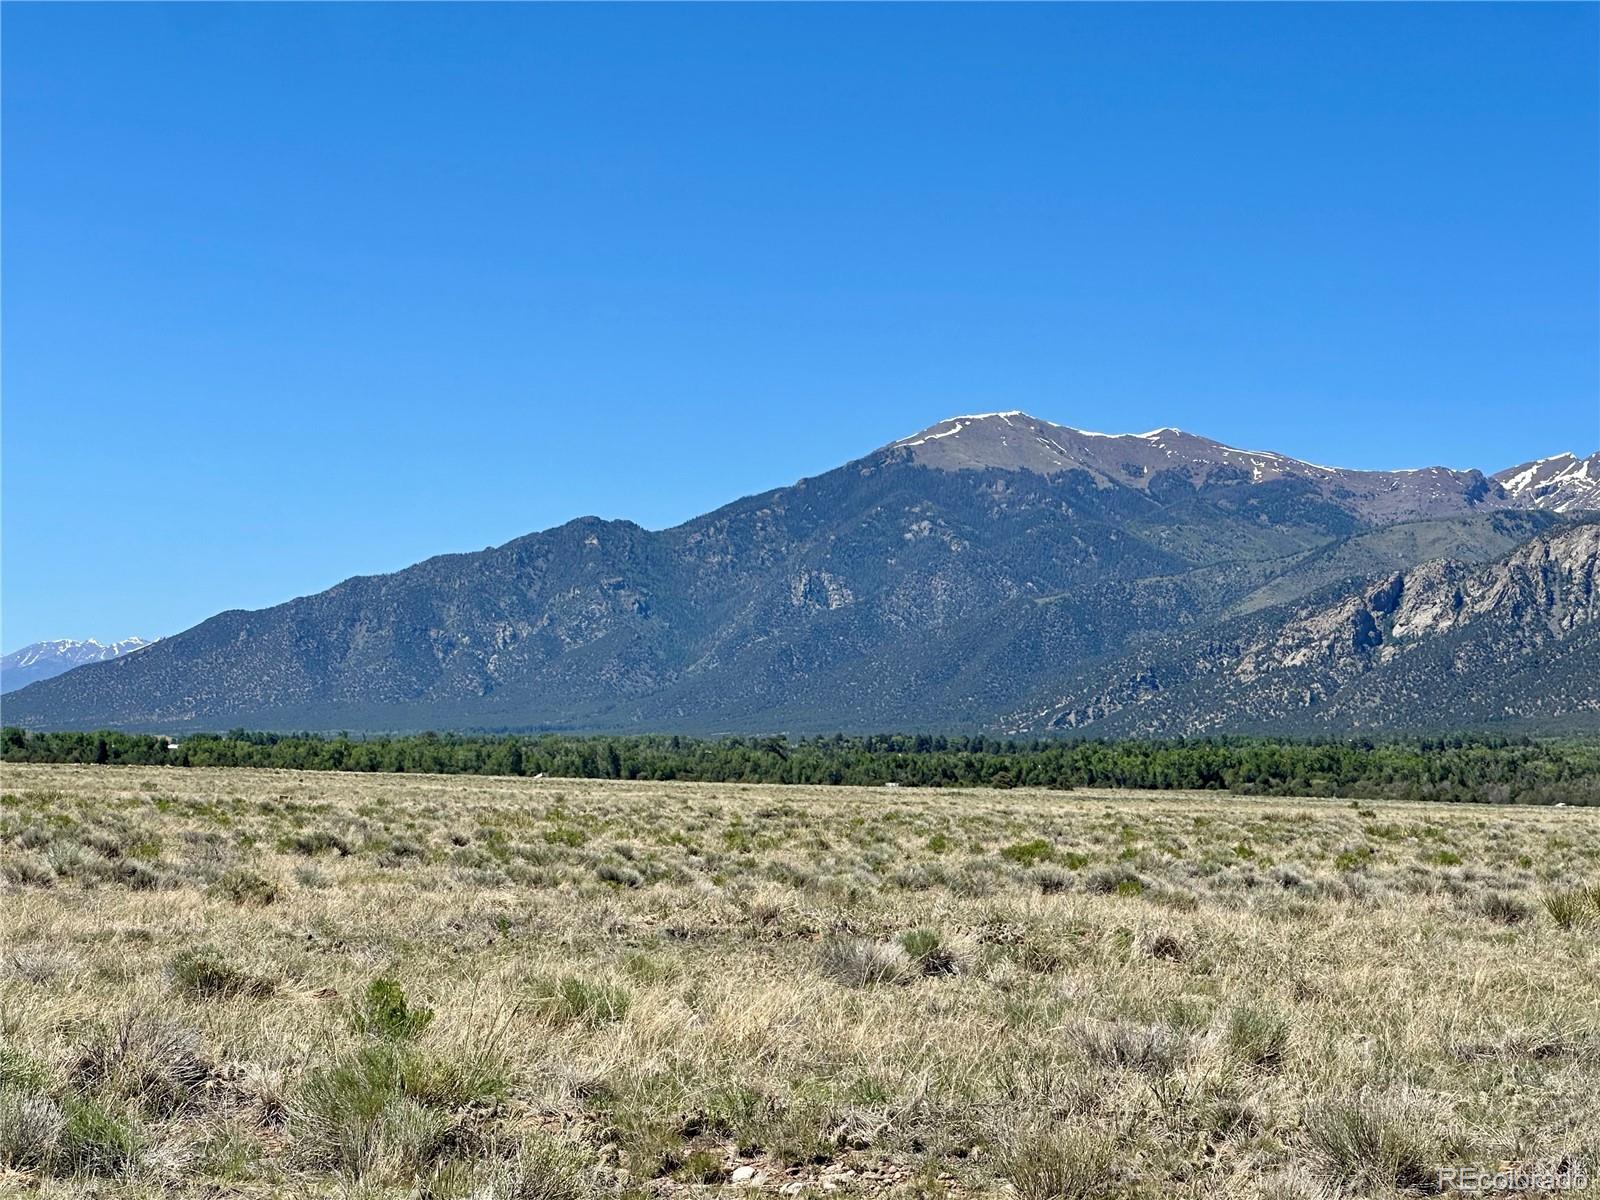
<point>1478,768</point>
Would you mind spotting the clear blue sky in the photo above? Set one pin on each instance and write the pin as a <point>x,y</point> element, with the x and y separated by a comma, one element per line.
<point>295,292</point>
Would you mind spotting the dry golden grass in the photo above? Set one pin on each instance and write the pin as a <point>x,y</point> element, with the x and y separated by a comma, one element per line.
<point>265,983</point>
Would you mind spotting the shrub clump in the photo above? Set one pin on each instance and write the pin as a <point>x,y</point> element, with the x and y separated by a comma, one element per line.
<point>94,1139</point>
<point>545,1168</point>
<point>572,999</point>
<point>27,870</point>
<point>392,1110</point>
<point>1060,1162</point>
<point>243,886</point>
<point>860,962</point>
<point>318,841</point>
<point>400,851</point>
<point>144,1059</point>
<point>1167,945</point>
<point>30,1128</point>
<point>1149,1049</point>
<point>135,875</point>
<point>1052,880</point>
<point>383,1012</point>
<point>1258,1037</point>
<point>1030,853</point>
<point>1504,909</point>
<point>620,876</point>
<point>1370,1145</point>
<point>355,1115</point>
<point>1573,908</point>
<point>934,954</point>
<point>205,974</point>
<point>1115,881</point>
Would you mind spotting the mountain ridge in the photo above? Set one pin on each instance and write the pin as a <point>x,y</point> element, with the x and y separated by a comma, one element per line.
<point>940,580</point>
<point>1135,459</point>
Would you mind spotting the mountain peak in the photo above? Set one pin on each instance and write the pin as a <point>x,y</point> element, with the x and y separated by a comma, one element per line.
<point>1562,483</point>
<point>1016,441</point>
<point>1015,421</point>
<point>44,660</point>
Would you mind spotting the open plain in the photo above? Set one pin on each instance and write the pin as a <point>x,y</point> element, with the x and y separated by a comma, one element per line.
<point>264,983</point>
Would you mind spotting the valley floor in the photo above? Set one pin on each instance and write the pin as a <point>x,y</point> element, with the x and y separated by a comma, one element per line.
<point>265,983</point>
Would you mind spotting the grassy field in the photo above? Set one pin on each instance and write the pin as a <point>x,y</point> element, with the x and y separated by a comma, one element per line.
<point>254,983</point>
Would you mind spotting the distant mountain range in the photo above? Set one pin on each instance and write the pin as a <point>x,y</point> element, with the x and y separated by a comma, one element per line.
<point>992,572</point>
<point>45,660</point>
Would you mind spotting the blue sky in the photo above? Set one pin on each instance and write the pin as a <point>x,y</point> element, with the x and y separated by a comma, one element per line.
<point>296,292</point>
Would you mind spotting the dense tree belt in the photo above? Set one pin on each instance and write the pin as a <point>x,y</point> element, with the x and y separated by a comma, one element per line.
<point>1468,768</point>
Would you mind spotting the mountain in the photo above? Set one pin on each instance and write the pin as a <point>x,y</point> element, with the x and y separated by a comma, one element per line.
<point>1142,461</point>
<point>1445,643</point>
<point>994,571</point>
<point>1563,483</point>
<point>45,660</point>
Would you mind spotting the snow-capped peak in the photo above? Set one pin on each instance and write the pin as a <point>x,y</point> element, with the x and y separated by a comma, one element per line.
<point>42,660</point>
<point>1561,483</point>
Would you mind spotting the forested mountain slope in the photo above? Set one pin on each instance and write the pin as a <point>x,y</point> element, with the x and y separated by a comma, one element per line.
<point>991,572</point>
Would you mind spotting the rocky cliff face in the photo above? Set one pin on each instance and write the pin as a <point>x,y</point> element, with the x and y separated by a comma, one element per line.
<point>1540,593</point>
<point>1440,645</point>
